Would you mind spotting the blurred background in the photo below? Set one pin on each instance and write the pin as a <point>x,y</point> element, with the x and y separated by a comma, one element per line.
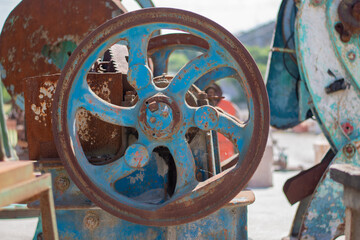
<point>253,23</point>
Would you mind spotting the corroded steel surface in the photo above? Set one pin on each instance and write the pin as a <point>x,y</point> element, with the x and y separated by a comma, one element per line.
<point>348,52</point>
<point>95,135</point>
<point>39,36</point>
<point>337,111</point>
<point>162,121</point>
<point>325,215</point>
<point>229,222</point>
<point>349,14</point>
<point>192,200</point>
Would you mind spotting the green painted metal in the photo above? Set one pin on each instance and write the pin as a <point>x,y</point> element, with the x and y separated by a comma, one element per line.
<point>288,95</point>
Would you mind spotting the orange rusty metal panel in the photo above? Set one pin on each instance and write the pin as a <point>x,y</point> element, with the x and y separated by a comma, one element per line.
<point>96,136</point>
<point>39,36</point>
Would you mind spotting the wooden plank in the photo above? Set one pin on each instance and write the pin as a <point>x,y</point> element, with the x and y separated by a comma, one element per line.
<point>346,174</point>
<point>13,172</point>
<point>13,213</point>
<point>24,190</point>
<point>47,209</point>
<point>352,224</point>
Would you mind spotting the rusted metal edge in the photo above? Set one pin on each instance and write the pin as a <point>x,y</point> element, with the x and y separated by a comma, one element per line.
<point>175,212</point>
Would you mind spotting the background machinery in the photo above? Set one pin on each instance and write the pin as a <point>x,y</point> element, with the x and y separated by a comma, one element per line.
<point>314,72</point>
<point>132,148</point>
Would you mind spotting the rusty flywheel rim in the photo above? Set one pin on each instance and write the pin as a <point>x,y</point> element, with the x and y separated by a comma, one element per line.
<point>208,196</point>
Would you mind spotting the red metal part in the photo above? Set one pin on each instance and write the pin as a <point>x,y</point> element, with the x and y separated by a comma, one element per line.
<point>304,184</point>
<point>36,25</point>
<point>347,128</point>
<point>209,195</point>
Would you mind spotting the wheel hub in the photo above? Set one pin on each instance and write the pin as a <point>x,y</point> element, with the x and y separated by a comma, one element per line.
<point>159,117</point>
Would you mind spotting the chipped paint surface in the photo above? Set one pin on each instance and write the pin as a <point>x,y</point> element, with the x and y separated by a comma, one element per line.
<point>333,109</point>
<point>73,208</point>
<point>103,90</point>
<point>39,93</point>
<point>82,119</point>
<point>43,108</point>
<point>58,53</point>
<point>347,52</point>
<point>138,178</point>
<point>47,90</point>
<point>229,222</point>
<point>324,218</point>
<point>39,36</point>
<point>222,53</point>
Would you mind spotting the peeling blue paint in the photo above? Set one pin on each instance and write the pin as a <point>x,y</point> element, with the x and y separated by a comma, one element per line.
<point>60,53</point>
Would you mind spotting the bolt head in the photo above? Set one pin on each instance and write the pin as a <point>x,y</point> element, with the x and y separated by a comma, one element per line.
<point>62,183</point>
<point>351,56</point>
<point>153,106</point>
<point>347,128</point>
<point>349,150</point>
<point>91,221</point>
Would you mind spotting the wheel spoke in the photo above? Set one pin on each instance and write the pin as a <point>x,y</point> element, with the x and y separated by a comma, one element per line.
<point>192,71</point>
<point>238,133</point>
<point>136,157</point>
<point>160,59</point>
<point>139,74</point>
<point>123,116</point>
<point>214,75</point>
<point>138,39</point>
<point>185,165</point>
<point>108,174</point>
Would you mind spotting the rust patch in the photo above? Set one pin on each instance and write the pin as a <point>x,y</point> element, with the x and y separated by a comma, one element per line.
<point>34,24</point>
<point>96,136</point>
